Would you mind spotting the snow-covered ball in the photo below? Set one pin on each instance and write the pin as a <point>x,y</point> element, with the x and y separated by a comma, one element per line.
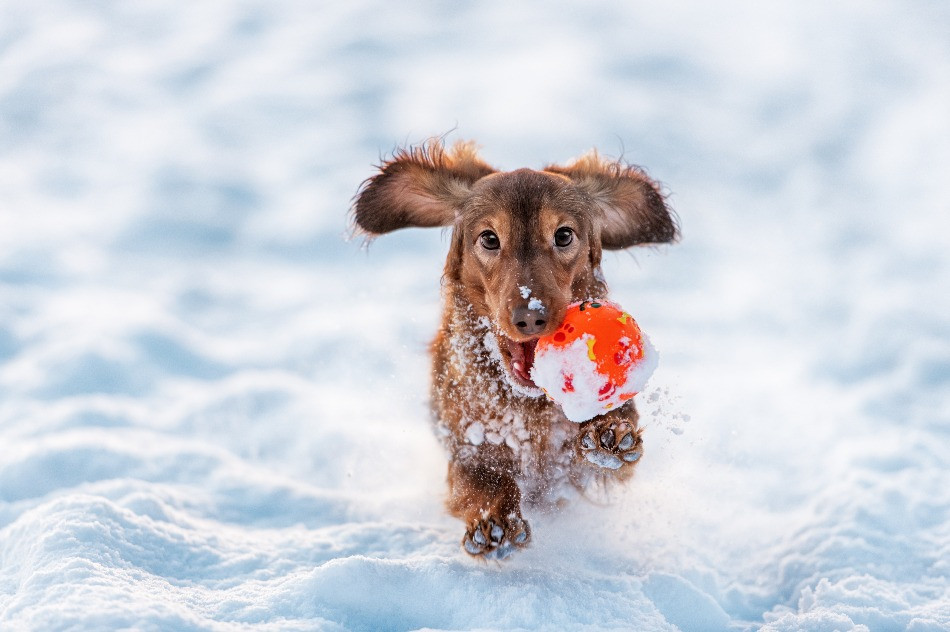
<point>596,360</point>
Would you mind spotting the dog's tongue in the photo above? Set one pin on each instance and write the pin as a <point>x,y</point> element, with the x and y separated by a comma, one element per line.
<point>522,358</point>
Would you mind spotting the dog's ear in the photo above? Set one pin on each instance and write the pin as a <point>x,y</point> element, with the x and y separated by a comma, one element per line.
<point>630,206</point>
<point>419,187</point>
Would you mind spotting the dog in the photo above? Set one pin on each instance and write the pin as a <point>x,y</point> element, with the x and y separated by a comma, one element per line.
<point>525,244</point>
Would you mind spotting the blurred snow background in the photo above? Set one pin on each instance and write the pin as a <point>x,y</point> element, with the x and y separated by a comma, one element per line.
<point>212,406</point>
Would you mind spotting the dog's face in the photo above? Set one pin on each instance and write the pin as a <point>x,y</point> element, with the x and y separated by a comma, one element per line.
<point>523,250</point>
<point>525,244</point>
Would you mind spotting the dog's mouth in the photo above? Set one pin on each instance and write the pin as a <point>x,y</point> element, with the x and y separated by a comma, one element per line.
<point>521,360</point>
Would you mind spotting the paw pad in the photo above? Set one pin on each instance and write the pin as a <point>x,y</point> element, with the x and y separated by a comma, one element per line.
<point>611,445</point>
<point>495,539</point>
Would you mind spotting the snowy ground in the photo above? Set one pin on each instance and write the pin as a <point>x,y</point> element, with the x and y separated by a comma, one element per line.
<point>212,407</point>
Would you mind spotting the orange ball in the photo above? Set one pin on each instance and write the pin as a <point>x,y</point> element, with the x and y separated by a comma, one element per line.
<point>596,360</point>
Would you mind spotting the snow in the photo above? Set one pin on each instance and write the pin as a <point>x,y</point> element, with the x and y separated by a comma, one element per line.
<point>213,407</point>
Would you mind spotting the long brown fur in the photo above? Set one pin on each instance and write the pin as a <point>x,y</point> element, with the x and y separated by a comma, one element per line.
<point>507,444</point>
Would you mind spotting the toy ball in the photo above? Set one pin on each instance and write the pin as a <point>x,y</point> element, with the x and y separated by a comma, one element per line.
<point>595,361</point>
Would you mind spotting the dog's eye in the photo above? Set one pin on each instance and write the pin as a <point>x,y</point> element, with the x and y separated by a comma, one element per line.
<point>489,240</point>
<point>563,237</point>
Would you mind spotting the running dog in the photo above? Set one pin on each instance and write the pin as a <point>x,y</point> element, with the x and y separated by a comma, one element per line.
<point>525,244</point>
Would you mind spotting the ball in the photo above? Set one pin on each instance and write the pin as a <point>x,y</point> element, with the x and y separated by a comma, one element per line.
<point>595,361</point>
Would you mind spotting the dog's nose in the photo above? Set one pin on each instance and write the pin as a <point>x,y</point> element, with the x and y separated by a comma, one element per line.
<point>528,321</point>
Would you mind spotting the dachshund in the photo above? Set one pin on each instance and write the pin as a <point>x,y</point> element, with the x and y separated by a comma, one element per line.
<point>525,244</point>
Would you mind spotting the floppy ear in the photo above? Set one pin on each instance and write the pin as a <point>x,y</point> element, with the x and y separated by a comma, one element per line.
<point>418,187</point>
<point>630,206</point>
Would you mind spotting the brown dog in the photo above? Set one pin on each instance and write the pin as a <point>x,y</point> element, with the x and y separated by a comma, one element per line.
<point>525,245</point>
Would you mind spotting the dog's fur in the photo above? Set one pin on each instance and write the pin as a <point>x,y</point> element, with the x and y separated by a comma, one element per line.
<point>525,244</point>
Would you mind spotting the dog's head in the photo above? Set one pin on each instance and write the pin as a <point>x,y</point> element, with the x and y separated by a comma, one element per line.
<point>525,243</point>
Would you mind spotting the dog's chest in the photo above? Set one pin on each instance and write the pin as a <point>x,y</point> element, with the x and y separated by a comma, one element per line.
<point>479,411</point>
<point>476,386</point>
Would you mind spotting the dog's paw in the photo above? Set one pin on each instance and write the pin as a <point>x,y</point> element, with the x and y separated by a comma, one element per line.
<point>494,538</point>
<point>611,444</point>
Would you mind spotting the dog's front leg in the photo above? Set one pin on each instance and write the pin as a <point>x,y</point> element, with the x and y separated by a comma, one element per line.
<point>613,440</point>
<point>484,495</point>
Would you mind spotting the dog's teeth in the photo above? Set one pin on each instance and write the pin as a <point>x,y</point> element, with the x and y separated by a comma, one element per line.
<point>630,457</point>
<point>587,441</point>
<point>471,547</point>
<point>517,366</point>
<point>521,537</point>
<point>607,438</point>
<point>479,537</point>
<point>626,442</point>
